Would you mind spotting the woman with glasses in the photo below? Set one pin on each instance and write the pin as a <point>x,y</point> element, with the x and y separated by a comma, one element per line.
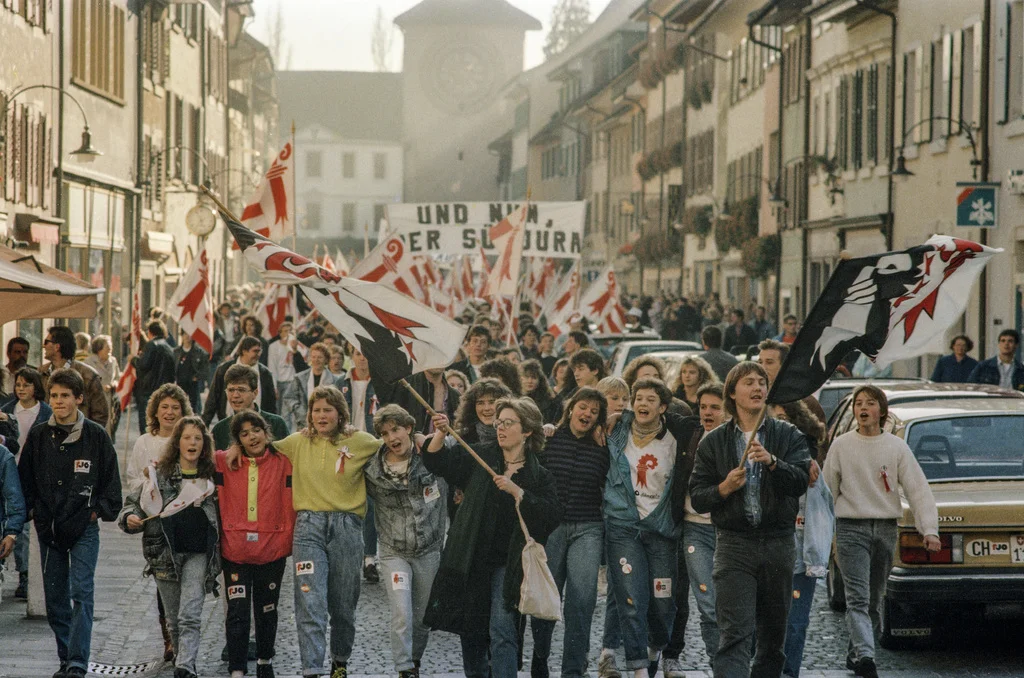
<point>477,586</point>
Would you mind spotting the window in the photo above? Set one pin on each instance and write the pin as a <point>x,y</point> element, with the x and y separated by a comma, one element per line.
<point>911,93</point>
<point>348,165</point>
<point>871,124</point>
<point>857,120</point>
<point>32,11</point>
<point>196,115</point>
<point>379,214</point>
<point>843,122</point>
<point>700,163</point>
<point>969,74</point>
<point>97,52</point>
<point>827,141</point>
<point>380,165</point>
<point>217,65</point>
<point>314,216</point>
<point>186,17</point>
<point>1008,50</point>
<point>313,163</point>
<point>348,217</point>
<point>794,73</point>
<point>27,156</point>
<point>156,50</point>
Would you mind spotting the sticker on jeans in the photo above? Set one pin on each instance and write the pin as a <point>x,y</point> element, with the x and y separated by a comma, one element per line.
<point>305,588</point>
<point>268,608</point>
<point>82,465</point>
<point>431,493</point>
<point>400,581</point>
<point>799,522</point>
<point>703,588</point>
<point>272,586</point>
<point>236,592</point>
<point>627,568</point>
<point>663,588</point>
<point>690,549</point>
<point>622,561</point>
<point>304,567</point>
<point>796,594</point>
<point>234,576</point>
<point>252,536</point>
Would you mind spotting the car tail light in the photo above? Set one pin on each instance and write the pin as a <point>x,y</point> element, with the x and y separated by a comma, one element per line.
<point>912,549</point>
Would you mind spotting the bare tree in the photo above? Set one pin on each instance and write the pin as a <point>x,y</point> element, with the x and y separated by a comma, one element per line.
<point>381,42</point>
<point>280,50</point>
<point>569,19</point>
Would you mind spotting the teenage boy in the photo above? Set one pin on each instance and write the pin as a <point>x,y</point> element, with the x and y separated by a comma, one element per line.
<point>478,342</point>
<point>70,480</point>
<point>868,471</point>
<point>249,351</point>
<point>753,500</point>
<point>59,349</point>
<point>240,389</point>
<point>1003,370</point>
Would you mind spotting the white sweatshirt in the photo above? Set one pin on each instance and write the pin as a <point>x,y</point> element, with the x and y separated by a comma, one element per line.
<point>853,471</point>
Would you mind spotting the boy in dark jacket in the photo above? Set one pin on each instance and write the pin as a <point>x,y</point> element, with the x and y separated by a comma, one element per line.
<point>753,500</point>
<point>70,480</point>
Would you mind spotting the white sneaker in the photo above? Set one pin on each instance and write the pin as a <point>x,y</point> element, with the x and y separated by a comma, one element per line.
<point>606,667</point>
<point>673,668</point>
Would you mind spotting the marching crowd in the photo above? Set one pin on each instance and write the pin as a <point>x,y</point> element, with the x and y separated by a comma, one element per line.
<point>664,489</point>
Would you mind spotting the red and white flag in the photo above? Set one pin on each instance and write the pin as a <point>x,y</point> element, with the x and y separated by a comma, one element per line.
<point>563,303</point>
<point>191,307</point>
<point>270,209</point>
<point>542,281</point>
<point>507,235</point>
<point>341,264</point>
<point>601,303</point>
<point>462,279</point>
<point>398,335</point>
<point>485,273</point>
<point>127,381</point>
<point>326,261</point>
<point>193,492</point>
<point>388,264</point>
<point>277,303</point>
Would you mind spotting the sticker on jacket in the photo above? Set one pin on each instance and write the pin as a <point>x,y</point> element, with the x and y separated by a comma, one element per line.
<point>252,536</point>
<point>663,588</point>
<point>82,465</point>
<point>236,592</point>
<point>400,581</point>
<point>304,567</point>
<point>431,493</point>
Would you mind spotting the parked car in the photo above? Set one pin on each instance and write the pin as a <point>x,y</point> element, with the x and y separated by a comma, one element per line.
<point>606,343</point>
<point>626,351</point>
<point>834,390</point>
<point>968,441</point>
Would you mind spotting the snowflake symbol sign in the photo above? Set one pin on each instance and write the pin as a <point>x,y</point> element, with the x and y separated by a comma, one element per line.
<point>981,212</point>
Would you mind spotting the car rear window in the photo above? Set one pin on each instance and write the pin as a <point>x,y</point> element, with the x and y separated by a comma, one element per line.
<point>964,448</point>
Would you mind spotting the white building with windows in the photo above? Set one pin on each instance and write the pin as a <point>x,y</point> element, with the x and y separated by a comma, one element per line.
<point>348,153</point>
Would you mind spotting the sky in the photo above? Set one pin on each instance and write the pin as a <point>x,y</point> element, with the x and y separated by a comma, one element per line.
<point>335,35</point>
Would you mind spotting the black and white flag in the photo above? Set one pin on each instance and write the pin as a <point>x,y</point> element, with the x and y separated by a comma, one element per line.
<point>398,335</point>
<point>888,306</point>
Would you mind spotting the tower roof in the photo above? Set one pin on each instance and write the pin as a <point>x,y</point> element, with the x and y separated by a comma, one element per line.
<point>467,13</point>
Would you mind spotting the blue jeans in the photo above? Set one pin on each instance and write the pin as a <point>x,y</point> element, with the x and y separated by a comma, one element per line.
<point>21,550</point>
<point>642,571</point>
<point>68,583</point>
<point>753,588</point>
<point>183,606</point>
<point>504,639</point>
<point>408,580</point>
<point>796,626</point>
<point>327,551</point>
<point>612,637</point>
<point>864,549</point>
<point>698,545</point>
<point>574,557</point>
<point>369,530</point>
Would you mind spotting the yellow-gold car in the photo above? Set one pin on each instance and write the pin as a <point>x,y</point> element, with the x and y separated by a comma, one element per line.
<point>969,441</point>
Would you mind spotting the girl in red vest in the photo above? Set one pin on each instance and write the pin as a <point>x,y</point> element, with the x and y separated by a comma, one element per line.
<point>257,539</point>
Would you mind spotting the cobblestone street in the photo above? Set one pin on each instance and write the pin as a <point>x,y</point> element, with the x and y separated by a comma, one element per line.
<point>126,634</point>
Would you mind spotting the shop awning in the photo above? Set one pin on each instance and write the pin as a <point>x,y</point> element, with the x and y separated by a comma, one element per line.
<point>29,289</point>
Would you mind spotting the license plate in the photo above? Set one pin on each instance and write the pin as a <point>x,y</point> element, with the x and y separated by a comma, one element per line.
<point>1017,548</point>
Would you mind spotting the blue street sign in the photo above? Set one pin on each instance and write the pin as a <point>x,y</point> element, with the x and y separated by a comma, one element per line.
<point>977,204</point>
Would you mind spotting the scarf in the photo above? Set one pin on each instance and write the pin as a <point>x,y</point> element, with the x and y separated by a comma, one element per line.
<point>642,435</point>
<point>486,435</point>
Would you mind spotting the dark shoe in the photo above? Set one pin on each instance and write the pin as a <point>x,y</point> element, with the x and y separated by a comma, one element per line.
<point>21,593</point>
<point>224,653</point>
<point>264,671</point>
<point>539,667</point>
<point>411,673</point>
<point>252,650</point>
<point>181,673</point>
<point>62,672</point>
<point>339,670</point>
<point>75,672</point>
<point>851,664</point>
<point>865,667</point>
<point>370,573</point>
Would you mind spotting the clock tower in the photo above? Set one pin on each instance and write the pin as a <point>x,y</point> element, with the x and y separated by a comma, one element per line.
<point>458,55</point>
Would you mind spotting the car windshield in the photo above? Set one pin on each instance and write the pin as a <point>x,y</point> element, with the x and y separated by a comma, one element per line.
<point>970,447</point>
<point>829,398</point>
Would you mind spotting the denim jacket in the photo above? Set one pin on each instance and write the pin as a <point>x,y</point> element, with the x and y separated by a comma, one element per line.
<point>815,524</point>
<point>12,502</point>
<point>410,518</point>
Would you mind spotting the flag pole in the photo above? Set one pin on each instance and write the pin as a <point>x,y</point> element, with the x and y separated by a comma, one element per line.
<point>448,428</point>
<point>295,195</point>
<point>753,437</point>
<point>221,206</point>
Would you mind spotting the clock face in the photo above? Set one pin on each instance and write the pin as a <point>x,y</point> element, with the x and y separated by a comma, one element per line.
<point>462,77</point>
<point>200,221</point>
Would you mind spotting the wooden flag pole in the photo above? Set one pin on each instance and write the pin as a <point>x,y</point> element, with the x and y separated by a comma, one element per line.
<point>746,451</point>
<point>449,429</point>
